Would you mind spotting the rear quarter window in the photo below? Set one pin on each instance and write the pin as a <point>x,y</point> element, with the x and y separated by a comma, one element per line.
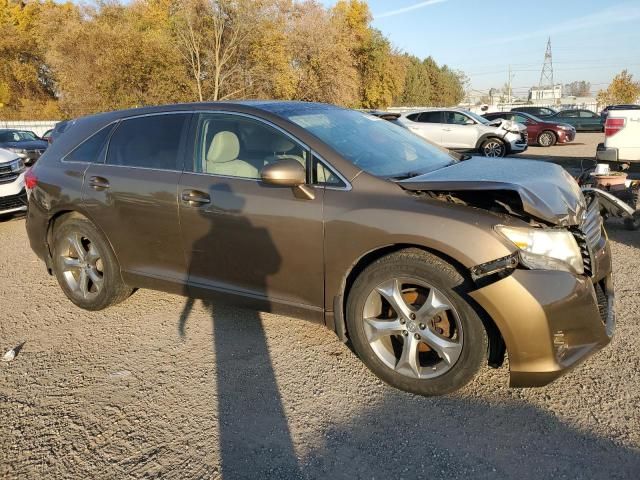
<point>92,149</point>
<point>149,142</point>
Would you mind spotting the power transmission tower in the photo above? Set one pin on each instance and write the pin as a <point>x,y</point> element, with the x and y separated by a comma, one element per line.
<point>546,76</point>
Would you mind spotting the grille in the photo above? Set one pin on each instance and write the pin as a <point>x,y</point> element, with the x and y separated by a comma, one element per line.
<point>589,235</point>
<point>603,302</point>
<point>6,175</point>
<point>13,201</point>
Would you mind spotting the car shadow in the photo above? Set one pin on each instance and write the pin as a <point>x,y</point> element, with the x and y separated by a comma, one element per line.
<point>408,436</point>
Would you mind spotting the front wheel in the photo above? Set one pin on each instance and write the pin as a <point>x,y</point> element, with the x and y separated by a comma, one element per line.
<point>86,268</point>
<point>493,147</point>
<point>547,139</point>
<point>409,325</point>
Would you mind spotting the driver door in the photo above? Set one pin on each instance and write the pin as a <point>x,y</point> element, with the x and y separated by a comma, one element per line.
<point>257,242</point>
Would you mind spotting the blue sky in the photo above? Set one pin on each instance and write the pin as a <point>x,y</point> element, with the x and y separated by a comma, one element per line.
<point>591,40</point>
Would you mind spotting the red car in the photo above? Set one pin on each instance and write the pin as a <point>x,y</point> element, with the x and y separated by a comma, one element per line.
<point>541,132</point>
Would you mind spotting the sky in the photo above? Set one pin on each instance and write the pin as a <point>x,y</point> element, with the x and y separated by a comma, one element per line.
<point>591,40</point>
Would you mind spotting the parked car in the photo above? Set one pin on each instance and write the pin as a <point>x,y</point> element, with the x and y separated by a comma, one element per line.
<point>621,138</point>
<point>13,197</point>
<point>605,111</point>
<point>539,112</point>
<point>465,131</point>
<point>582,120</point>
<point>47,135</point>
<point>26,144</point>
<point>428,265</point>
<point>539,132</point>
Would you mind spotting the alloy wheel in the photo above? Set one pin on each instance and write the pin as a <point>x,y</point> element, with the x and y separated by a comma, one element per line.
<point>545,140</point>
<point>493,149</point>
<point>82,266</point>
<point>413,328</point>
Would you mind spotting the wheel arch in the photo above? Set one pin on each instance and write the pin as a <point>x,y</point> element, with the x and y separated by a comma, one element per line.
<point>497,346</point>
<point>60,216</point>
<point>486,136</point>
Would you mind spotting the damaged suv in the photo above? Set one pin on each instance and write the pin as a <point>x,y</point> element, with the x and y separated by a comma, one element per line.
<point>430,266</point>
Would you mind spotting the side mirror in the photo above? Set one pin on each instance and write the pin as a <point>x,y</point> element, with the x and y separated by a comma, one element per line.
<point>469,122</point>
<point>288,173</point>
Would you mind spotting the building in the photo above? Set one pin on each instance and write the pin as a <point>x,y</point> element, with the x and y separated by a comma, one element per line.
<point>545,94</point>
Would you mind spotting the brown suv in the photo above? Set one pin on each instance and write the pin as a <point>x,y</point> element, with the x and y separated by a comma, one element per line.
<point>431,266</point>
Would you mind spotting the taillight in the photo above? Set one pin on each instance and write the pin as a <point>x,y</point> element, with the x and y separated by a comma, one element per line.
<point>613,126</point>
<point>30,180</point>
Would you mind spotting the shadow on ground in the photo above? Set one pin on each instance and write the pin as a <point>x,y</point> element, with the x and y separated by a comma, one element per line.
<point>404,436</point>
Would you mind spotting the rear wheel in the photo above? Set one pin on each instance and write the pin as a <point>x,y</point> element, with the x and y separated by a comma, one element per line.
<point>85,267</point>
<point>493,147</point>
<point>547,139</point>
<point>411,328</point>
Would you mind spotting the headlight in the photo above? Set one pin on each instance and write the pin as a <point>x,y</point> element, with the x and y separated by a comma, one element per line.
<point>17,166</point>
<point>19,151</point>
<point>545,249</point>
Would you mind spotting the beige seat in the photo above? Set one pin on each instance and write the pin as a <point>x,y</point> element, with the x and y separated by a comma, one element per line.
<point>222,157</point>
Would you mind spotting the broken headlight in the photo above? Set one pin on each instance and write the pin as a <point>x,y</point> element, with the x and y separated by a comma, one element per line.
<point>545,249</point>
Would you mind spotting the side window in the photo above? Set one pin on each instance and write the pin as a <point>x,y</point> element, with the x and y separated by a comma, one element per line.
<point>570,114</point>
<point>455,118</point>
<point>322,175</point>
<point>587,114</point>
<point>413,117</point>
<point>148,142</point>
<point>520,118</point>
<point>92,149</point>
<point>236,146</point>
<point>430,117</point>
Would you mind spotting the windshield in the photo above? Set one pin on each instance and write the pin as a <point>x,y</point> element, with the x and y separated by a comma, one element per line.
<point>378,146</point>
<point>17,136</point>
<point>477,118</point>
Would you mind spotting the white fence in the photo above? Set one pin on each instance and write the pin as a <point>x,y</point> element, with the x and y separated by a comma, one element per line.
<point>38,127</point>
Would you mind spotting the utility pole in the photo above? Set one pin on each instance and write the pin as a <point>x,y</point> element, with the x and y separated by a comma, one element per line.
<point>510,78</point>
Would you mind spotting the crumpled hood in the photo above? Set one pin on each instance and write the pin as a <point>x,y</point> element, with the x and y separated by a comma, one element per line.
<point>546,190</point>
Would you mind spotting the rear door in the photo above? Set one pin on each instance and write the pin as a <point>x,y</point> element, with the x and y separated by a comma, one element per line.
<point>241,236</point>
<point>456,133</point>
<point>590,121</point>
<point>131,196</point>
<point>426,124</point>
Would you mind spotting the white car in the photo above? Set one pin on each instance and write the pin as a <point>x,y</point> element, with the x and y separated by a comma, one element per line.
<point>13,197</point>
<point>621,137</point>
<point>462,130</point>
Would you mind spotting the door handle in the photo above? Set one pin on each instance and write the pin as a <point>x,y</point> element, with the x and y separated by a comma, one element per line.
<point>195,198</point>
<point>98,183</point>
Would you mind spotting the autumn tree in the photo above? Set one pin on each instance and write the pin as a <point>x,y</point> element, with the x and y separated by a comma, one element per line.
<point>26,85</point>
<point>623,89</point>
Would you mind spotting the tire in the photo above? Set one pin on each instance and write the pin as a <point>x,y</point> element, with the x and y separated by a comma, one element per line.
<point>456,328</point>
<point>493,147</point>
<point>633,222</point>
<point>547,139</point>
<point>86,267</point>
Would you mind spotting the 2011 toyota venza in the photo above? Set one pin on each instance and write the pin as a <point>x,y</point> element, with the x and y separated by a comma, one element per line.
<point>429,263</point>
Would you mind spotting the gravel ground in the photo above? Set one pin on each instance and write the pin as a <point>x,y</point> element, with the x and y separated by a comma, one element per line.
<point>128,393</point>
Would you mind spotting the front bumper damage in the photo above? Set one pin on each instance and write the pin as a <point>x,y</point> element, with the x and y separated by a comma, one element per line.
<point>551,321</point>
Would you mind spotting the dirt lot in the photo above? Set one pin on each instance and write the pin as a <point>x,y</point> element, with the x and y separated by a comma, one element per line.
<point>163,387</point>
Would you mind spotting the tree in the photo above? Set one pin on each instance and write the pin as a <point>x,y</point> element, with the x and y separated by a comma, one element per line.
<point>26,85</point>
<point>577,89</point>
<point>417,87</point>
<point>621,90</point>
